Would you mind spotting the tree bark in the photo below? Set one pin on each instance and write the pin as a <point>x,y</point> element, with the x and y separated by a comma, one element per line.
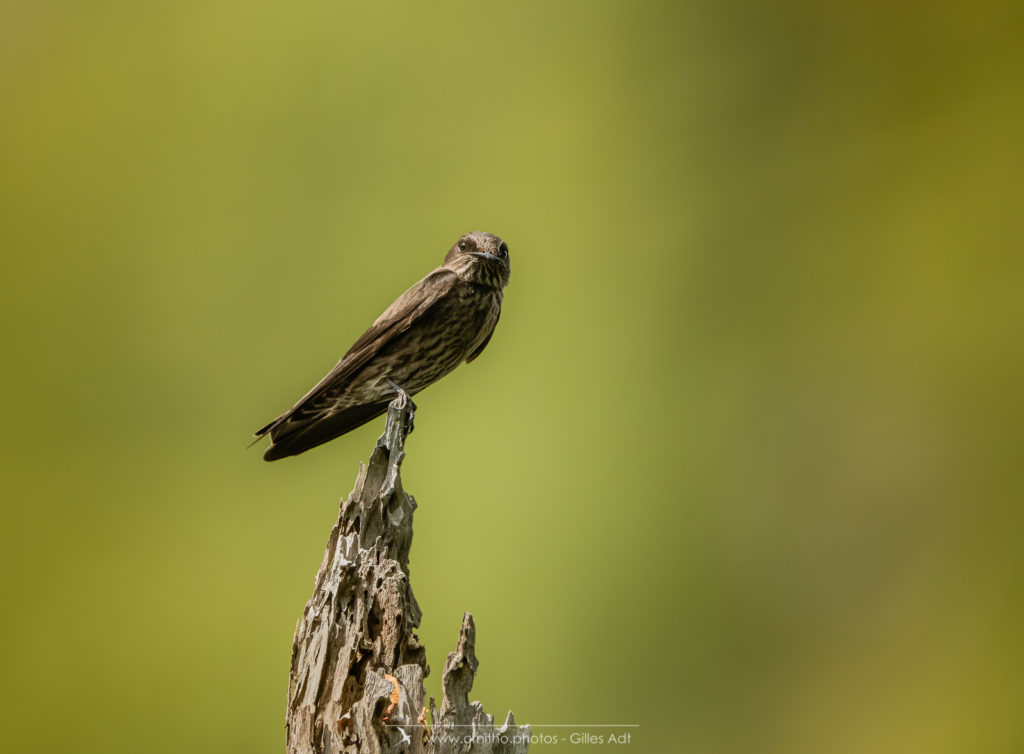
<point>356,681</point>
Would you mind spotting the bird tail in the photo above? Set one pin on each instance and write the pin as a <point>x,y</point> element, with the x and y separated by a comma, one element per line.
<point>262,431</point>
<point>289,438</point>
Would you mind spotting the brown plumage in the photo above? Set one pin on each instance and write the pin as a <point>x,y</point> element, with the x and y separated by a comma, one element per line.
<point>446,318</point>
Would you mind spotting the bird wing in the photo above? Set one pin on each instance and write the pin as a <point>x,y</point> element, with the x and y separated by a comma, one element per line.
<point>396,319</point>
<point>480,348</point>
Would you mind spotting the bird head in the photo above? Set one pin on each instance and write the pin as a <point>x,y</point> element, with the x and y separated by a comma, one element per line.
<point>480,257</point>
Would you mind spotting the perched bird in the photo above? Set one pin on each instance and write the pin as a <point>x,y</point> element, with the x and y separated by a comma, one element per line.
<point>446,318</point>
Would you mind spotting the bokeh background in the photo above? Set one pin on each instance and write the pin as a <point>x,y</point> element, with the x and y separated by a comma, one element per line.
<point>741,466</point>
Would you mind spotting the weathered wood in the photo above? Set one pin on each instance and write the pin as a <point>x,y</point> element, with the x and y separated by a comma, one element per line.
<point>356,682</point>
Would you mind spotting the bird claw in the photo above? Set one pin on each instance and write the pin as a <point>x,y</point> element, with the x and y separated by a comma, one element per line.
<point>401,394</point>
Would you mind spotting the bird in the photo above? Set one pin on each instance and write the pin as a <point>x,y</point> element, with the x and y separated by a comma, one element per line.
<point>446,318</point>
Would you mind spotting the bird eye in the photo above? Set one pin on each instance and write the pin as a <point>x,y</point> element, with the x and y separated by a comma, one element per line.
<point>462,245</point>
<point>503,250</point>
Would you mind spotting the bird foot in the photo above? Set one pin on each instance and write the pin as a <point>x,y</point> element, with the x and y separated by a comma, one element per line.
<point>405,397</point>
<point>400,393</point>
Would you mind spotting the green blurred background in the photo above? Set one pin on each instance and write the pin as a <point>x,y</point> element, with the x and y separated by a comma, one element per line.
<point>742,464</point>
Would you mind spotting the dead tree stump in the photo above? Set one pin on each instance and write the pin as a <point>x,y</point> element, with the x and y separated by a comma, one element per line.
<point>356,681</point>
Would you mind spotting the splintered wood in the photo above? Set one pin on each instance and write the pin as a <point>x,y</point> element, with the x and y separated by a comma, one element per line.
<point>356,682</point>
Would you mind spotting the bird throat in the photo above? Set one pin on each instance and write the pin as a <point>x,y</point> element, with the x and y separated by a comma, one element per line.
<point>491,273</point>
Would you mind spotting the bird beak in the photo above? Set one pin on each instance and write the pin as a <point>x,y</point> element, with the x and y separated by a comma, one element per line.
<point>483,255</point>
